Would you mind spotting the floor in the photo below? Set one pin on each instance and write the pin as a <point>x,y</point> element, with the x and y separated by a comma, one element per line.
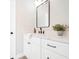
<point>23,57</point>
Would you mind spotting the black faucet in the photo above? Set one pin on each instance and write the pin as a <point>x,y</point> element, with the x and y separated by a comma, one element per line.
<point>41,31</point>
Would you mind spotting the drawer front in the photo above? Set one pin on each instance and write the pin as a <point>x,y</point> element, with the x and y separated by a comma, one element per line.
<point>34,41</point>
<point>56,47</point>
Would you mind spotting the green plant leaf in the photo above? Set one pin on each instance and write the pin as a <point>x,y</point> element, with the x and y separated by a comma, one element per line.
<point>59,27</point>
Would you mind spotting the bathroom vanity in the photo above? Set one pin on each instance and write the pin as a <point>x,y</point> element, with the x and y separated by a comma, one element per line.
<point>38,16</point>
<point>43,48</point>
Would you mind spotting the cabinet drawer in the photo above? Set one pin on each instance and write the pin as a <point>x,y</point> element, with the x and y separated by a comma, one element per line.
<point>32,41</point>
<point>56,47</point>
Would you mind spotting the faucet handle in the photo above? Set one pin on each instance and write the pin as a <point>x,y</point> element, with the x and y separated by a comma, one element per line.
<point>40,28</point>
<point>43,31</point>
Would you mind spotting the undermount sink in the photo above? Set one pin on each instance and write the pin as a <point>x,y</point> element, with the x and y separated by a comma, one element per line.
<point>32,35</point>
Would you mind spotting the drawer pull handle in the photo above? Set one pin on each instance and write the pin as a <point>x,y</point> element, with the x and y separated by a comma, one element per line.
<point>28,42</point>
<point>51,46</point>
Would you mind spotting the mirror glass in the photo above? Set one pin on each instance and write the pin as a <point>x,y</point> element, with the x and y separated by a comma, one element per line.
<point>43,14</point>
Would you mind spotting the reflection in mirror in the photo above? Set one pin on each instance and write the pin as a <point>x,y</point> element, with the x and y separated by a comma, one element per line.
<point>43,14</point>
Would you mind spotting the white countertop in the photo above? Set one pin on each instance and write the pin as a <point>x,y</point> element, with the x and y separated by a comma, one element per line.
<point>56,38</point>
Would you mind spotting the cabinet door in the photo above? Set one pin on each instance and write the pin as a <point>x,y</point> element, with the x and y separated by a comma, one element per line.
<point>32,48</point>
<point>57,56</point>
<point>35,48</point>
<point>47,54</point>
<point>12,29</point>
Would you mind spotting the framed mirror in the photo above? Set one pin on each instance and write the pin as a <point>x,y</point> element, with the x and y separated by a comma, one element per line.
<point>43,15</point>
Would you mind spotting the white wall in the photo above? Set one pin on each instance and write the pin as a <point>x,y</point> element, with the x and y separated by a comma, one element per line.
<point>58,15</point>
<point>26,20</point>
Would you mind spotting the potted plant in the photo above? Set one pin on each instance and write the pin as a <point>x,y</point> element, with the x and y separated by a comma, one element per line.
<point>59,28</point>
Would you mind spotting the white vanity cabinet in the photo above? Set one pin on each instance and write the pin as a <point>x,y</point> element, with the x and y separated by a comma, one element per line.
<point>32,48</point>
<point>54,50</point>
<point>38,48</point>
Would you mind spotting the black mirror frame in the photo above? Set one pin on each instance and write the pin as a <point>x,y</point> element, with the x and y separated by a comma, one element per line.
<point>48,14</point>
